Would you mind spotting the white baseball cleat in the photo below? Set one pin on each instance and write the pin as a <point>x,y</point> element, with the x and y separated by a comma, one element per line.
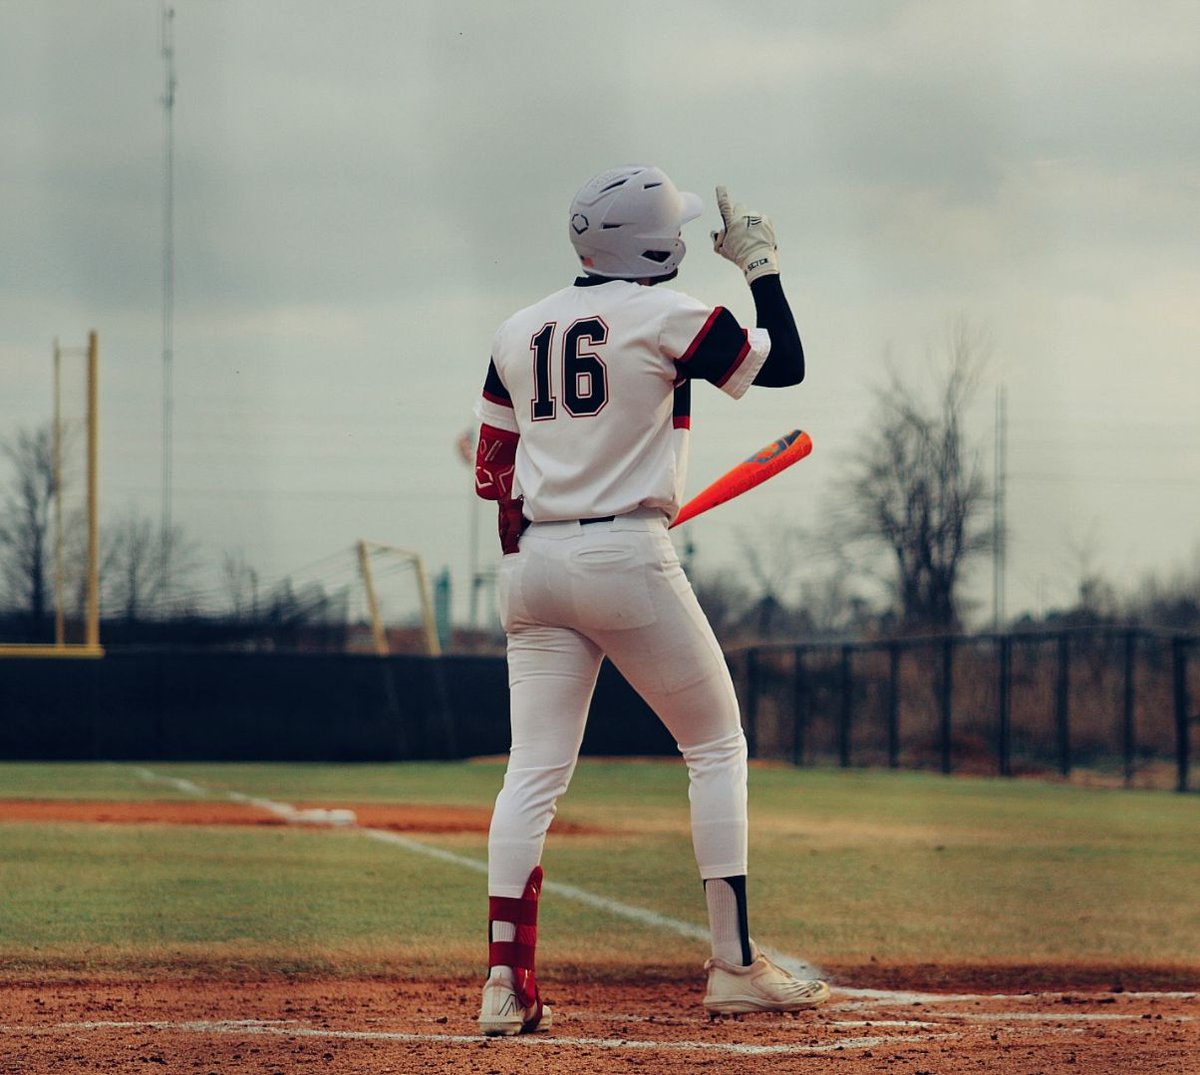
<point>760,987</point>
<point>503,1012</point>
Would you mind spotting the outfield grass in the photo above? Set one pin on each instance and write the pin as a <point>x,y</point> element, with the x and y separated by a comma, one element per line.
<point>432,782</point>
<point>845,867</point>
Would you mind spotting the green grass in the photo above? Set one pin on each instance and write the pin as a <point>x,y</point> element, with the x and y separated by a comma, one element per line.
<point>845,867</point>
<point>289,897</point>
<point>433,782</point>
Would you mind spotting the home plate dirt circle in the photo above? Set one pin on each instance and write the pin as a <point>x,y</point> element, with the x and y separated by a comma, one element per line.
<point>365,1027</point>
<point>946,1020</point>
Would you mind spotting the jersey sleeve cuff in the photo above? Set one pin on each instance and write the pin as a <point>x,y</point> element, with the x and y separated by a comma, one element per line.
<point>497,415</point>
<point>758,346</point>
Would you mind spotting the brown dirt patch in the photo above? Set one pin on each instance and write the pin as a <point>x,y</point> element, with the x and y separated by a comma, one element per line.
<point>366,1027</point>
<point>396,817</point>
<point>1094,1019</point>
<point>136,813</point>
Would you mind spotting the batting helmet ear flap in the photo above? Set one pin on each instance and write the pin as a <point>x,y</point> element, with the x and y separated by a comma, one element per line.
<point>626,223</point>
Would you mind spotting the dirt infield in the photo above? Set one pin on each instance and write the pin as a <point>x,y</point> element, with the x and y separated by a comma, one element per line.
<point>369,1027</point>
<point>392,817</point>
<point>915,1020</point>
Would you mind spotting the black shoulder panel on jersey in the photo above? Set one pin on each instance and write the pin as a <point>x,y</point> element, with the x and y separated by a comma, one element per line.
<point>493,387</point>
<point>681,409</point>
<point>717,350</point>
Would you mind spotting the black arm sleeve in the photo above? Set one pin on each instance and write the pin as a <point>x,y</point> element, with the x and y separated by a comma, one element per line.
<point>785,364</point>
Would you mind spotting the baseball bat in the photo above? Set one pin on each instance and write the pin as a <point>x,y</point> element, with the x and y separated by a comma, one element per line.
<point>763,464</point>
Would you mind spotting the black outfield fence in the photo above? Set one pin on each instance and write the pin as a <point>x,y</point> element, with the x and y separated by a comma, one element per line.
<point>1116,700</point>
<point>217,705</point>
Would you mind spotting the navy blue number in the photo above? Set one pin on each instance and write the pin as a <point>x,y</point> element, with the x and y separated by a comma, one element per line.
<point>584,375</point>
<point>544,405</point>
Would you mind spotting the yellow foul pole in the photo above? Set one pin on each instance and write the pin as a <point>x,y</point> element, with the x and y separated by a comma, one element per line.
<point>60,627</point>
<point>92,634</point>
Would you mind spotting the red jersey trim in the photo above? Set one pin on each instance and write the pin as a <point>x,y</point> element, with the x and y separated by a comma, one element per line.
<point>499,400</point>
<point>699,339</point>
<point>737,362</point>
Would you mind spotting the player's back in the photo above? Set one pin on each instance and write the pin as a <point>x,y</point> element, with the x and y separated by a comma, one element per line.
<point>591,378</point>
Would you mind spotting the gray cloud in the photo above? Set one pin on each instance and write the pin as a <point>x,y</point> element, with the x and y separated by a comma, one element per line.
<point>364,190</point>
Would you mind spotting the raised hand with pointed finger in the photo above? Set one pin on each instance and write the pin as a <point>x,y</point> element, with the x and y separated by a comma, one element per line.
<point>746,238</point>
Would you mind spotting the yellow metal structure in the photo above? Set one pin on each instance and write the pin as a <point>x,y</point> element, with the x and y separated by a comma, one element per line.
<point>92,628</point>
<point>433,646</point>
<point>90,647</point>
<point>377,631</point>
<point>60,570</point>
<point>19,649</point>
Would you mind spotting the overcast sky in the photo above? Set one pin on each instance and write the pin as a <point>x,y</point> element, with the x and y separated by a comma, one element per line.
<point>364,190</point>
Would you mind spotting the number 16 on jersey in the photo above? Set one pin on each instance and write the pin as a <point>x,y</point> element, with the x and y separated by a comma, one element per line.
<point>584,375</point>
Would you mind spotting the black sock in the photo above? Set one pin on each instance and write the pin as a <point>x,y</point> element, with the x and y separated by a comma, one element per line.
<point>727,918</point>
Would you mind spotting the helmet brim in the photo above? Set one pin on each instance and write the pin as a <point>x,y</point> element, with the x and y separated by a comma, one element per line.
<point>692,206</point>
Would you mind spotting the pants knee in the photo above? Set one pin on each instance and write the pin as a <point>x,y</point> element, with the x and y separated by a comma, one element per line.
<point>530,796</point>
<point>716,755</point>
<point>726,749</point>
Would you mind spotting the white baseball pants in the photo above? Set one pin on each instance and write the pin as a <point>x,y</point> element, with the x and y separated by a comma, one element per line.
<point>573,594</point>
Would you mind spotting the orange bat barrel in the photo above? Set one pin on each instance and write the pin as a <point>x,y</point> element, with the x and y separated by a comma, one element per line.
<point>763,464</point>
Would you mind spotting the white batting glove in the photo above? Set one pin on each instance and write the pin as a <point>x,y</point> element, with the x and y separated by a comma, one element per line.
<point>747,239</point>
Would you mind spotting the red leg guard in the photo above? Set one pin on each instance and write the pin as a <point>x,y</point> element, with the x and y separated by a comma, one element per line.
<point>519,953</point>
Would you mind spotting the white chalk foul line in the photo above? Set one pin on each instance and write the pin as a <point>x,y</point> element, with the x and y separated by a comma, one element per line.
<point>284,811</point>
<point>290,1029</point>
<point>591,899</point>
<point>641,915</point>
<point>872,998</point>
<point>794,964</point>
<point>186,786</point>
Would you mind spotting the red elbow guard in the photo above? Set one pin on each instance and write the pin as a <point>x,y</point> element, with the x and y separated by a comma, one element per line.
<point>495,457</point>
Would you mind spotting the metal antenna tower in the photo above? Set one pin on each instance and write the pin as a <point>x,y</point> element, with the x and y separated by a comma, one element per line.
<point>167,18</point>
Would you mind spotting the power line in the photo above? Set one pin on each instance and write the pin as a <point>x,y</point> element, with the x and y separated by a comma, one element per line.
<point>1083,480</point>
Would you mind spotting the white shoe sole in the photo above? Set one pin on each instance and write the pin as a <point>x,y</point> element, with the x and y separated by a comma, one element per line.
<point>509,1026</point>
<point>746,1005</point>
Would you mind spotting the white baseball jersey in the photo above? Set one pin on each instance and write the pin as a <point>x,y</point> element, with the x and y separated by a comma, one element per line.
<point>595,379</point>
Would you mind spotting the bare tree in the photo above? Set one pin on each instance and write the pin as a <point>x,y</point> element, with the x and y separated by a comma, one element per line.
<point>129,568</point>
<point>1096,597</point>
<point>916,491</point>
<point>25,522</point>
<point>724,600</point>
<point>834,607</point>
<point>1172,602</point>
<point>773,565</point>
<point>140,571</point>
<point>241,586</point>
<point>288,606</point>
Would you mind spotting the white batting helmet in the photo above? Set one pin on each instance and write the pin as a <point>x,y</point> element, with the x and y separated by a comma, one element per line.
<point>625,222</point>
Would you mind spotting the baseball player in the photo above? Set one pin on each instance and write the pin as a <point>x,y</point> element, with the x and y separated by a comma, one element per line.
<point>583,445</point>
